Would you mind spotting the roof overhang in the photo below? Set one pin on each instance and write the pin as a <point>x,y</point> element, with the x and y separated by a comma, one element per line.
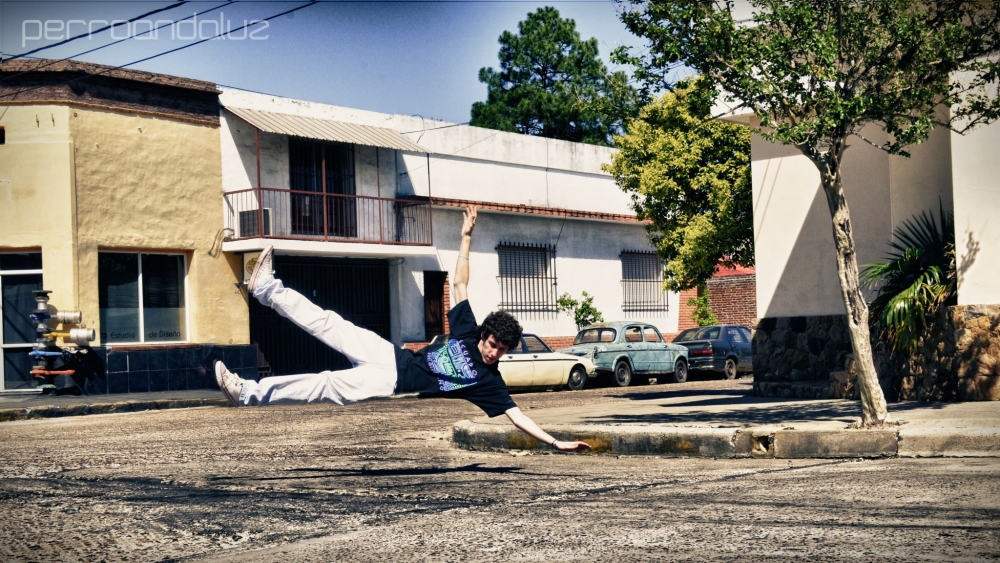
<point>325,129</point>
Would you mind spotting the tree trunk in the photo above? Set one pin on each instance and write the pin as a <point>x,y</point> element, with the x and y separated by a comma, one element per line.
<point>873,406</point>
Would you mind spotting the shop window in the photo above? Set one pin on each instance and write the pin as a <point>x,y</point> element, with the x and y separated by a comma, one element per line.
<point>142,297</point>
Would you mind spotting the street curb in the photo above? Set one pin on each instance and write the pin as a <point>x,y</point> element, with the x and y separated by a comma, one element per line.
<point>755,442</point>
<point>8,415</point>
<point>972,442</point>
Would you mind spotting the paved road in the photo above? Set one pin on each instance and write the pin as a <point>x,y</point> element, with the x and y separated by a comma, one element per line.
<point>380,482</point>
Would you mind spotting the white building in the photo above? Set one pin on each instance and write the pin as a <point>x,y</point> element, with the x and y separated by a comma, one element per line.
<point>364,211</point>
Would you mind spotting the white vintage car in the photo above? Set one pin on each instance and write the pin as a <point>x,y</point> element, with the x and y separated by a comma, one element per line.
<point>534,364</point>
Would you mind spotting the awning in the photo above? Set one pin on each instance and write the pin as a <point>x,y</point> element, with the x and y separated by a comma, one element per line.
<point>325,129</point>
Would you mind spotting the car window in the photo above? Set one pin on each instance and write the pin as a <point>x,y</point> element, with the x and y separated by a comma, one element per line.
<point>592,335</point>
<point>710,333</point>
<point>534,345</point>
<point>746,333</point>
<point>686,335</point>
<point>736,335</point>
<point>633,334</point>
<point>519,349</point>
<point>652,335</point>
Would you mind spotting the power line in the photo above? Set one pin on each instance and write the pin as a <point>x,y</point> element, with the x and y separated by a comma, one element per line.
<point>54,61</point>
<point>144,59</point>
<point>65,41</point>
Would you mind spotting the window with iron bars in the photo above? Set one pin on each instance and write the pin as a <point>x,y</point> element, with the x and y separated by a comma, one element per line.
<point>527,278</point>
<point>642,282</point>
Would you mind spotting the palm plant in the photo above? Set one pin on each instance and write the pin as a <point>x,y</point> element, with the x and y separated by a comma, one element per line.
<point>918,279</point>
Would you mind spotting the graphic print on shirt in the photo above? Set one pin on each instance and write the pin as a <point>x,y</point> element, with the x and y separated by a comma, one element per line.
<point>453,366</point>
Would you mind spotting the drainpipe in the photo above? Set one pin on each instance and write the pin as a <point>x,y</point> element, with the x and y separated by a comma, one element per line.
<point>378,183</point>
<point>260,204</point>
<point>430,207</point>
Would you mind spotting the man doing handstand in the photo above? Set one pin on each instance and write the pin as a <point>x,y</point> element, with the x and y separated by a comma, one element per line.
<point>463,368</point>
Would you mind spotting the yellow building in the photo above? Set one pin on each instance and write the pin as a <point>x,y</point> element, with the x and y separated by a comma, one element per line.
<point>110,190</point>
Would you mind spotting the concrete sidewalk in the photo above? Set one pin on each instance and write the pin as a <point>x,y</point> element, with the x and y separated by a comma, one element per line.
<point>28,406</point>
<point>728,424</point>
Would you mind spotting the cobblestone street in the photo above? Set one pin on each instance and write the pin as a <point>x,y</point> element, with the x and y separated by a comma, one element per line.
<point>380,481</point>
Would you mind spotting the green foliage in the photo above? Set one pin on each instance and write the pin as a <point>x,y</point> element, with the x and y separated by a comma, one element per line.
<point>583,311</point>
<point>815,72</point>
<point>702,313</point>
<point>916,281</point>
<point>689,175</point>
<point>551,83</point>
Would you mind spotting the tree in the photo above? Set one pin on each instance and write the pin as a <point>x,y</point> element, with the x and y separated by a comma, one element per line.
<point>816,72</point>
<point>689,175</point>
<point>553,84</point>
<point>583,311</point>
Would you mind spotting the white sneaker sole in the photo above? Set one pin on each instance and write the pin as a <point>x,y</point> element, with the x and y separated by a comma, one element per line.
<point>257,269</point>
<point>218,378</point>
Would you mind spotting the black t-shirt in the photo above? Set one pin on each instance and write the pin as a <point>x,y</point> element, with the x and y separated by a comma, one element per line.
<point>455,369</point>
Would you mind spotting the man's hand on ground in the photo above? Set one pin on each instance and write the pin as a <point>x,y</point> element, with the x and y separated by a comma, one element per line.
<point>570,446</point>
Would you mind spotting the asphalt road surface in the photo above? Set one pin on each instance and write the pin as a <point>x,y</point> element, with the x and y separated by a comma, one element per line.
<point>380,481</point>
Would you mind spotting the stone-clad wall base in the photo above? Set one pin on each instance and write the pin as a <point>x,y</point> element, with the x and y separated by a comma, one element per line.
<point>961,361</point>
<point>811,357</point>
<point>793,357</point>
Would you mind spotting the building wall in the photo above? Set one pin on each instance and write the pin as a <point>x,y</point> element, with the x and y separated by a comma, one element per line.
<point>153,183</point>
<point>795,254</point>
<point>976,179</point>
<point>587,259</point>
<point>37,202</point>
<point>731,299</point>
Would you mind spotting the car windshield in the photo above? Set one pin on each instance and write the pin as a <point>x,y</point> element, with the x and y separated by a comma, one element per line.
<point>686,335</point>
<point>592,335</point>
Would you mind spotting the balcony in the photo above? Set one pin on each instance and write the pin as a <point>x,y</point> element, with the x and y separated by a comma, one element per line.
<point>300,215</point>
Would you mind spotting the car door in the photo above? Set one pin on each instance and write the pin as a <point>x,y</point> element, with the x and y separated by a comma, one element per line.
<point>635,347</point>
<point>548,369</point>
<point>661,359</point>
<point>739,339</point>
<point>517,368</point>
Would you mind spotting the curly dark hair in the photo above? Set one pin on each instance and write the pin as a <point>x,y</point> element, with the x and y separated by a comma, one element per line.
<point>503,326</point>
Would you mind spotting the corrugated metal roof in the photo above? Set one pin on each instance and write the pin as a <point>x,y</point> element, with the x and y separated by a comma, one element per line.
<point>325,129</point>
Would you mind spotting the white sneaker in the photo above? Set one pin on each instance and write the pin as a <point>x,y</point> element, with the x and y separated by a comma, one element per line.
<point>230,383</point>
<point>263,271</point>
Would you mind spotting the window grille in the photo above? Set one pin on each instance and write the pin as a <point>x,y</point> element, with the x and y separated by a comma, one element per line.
<point>527,278</point>
<point>642,282</point>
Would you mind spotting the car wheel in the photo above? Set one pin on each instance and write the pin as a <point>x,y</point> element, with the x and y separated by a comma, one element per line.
<point>577,378</point>
<point>680,371</point>
<point>730,370</point>
<point>623,374</point>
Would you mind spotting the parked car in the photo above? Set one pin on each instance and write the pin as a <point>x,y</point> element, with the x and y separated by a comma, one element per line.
<point>722,348</point>
<point>534,364</point>
<point>623,349</point>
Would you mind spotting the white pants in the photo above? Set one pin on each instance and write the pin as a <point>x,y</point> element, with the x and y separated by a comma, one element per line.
<point>374,359</point>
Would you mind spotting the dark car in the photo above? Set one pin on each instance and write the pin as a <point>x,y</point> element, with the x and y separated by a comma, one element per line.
<point>722,348</point>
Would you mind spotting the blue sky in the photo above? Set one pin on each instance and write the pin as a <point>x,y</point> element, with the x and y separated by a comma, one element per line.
<point>408,57</point>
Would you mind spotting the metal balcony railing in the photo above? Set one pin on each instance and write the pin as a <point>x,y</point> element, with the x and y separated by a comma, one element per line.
<point>290,214</point>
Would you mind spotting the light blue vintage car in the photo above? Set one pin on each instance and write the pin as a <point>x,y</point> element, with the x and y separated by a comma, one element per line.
<point>623,349</point>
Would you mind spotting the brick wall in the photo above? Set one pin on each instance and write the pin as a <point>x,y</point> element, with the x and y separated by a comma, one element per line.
<point>556,342</point>
<point>733,299</point>
<point>684,320</point>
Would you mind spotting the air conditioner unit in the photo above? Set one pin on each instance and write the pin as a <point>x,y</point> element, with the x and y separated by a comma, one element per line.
<point>249,226</point>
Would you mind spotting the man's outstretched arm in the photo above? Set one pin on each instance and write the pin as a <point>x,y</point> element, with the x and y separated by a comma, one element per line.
<point>460,285</point>
<point>529,427</point>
